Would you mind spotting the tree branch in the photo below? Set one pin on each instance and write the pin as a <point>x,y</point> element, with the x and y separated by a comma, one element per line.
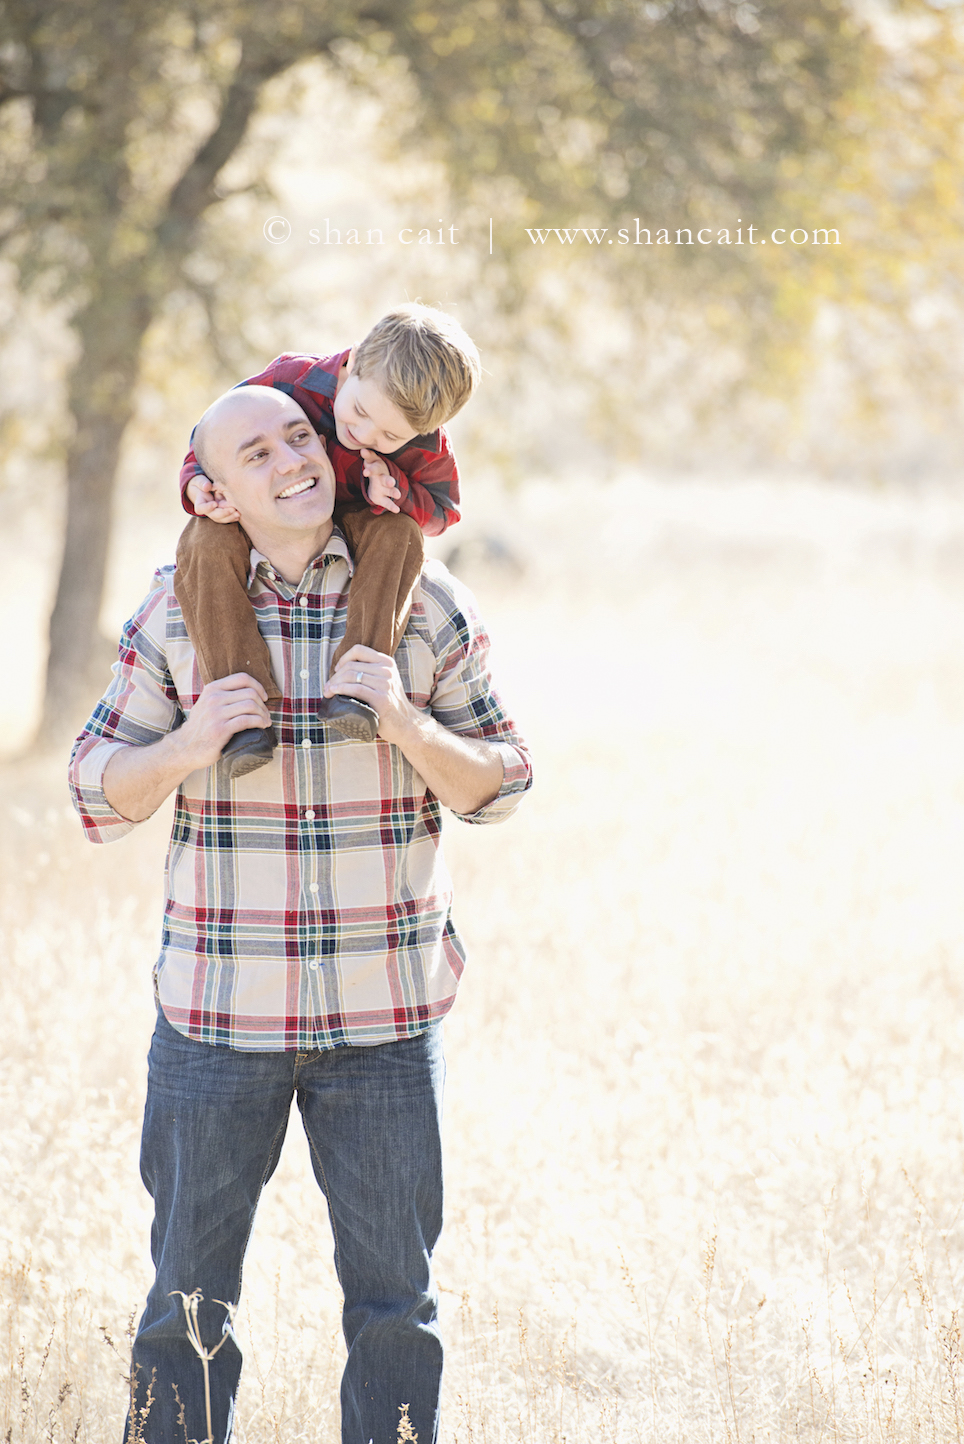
<point>195,190</point>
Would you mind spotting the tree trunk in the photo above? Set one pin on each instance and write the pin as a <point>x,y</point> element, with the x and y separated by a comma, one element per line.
<point>102,392</point>
<point>111,328</point>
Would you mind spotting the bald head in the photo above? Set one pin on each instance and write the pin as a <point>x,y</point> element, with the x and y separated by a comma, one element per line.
<point>215,432</point>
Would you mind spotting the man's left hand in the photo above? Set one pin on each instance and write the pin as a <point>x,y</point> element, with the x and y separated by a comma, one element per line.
<point>373,677</point>
<point>464,773</point>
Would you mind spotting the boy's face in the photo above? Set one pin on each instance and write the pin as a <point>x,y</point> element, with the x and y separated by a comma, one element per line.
<point>364,416</point>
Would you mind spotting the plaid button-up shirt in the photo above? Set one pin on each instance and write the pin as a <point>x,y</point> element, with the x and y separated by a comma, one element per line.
<point>308,904</point>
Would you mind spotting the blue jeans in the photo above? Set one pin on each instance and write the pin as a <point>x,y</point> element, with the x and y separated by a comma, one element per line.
<point>214,1124</point>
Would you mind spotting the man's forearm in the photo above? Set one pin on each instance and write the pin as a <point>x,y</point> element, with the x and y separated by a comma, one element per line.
<point>138,779</point>
<point>464,772</point>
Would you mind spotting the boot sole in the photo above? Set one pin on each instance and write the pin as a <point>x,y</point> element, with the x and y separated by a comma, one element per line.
<point>241,765</point>
<point>355,729</point>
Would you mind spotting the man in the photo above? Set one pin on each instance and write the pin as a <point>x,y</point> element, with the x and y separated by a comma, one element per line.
<point>308,949</point>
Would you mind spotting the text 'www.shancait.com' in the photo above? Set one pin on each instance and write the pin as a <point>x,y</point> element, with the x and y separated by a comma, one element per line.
<point>638,235</point>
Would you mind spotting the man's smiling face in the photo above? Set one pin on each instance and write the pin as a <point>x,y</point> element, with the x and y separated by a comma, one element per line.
<point>263,455</point>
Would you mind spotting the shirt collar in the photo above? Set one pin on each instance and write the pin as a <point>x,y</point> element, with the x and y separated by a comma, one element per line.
<point>336,546</point>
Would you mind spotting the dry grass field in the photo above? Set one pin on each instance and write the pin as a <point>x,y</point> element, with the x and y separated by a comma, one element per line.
<point>706,1076</point>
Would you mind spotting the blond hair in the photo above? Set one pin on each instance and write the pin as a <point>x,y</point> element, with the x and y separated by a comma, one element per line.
<point>424,362</point>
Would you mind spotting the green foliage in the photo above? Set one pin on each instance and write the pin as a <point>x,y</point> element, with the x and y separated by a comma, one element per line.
<point>603,107</point>
<point>594,110</point>
<point>120,115</point>
<point>686,115</point>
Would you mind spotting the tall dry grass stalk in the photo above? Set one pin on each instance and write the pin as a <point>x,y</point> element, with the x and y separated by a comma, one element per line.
<point>706,1089</point>
<point>191,1303</point>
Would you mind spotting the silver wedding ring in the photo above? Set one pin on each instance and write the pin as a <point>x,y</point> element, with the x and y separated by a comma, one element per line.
<point>359,677</point>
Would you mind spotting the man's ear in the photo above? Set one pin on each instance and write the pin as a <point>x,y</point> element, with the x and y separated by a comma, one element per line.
<point>218,492</point>
<point>349,364</point>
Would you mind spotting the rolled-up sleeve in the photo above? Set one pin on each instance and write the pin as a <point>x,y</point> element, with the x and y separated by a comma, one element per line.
<point>465,699</point>
<point>139,707</point>
<point>516,780</point>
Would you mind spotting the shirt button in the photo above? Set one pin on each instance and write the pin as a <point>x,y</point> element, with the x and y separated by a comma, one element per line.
<point>306,742</point>
<point>312,887</point>
<point>304,674</point>
<point>311,814</point>
<point>313,963</point>
<point>302,601</point>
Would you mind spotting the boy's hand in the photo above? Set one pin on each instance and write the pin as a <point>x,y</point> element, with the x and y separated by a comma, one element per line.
<point>209,502</point>
<point>382,490</point>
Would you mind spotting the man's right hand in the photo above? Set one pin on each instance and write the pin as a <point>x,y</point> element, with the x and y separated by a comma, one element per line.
<point>137,779</point>
<point>223,707</point>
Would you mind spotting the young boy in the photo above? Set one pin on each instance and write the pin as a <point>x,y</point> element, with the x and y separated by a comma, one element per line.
<point>379,408</point>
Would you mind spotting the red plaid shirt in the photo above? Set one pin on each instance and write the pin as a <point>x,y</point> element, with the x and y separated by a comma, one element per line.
<point>424,469</point>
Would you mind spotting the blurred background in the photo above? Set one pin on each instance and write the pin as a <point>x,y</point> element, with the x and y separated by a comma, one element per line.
<point>795,309</point>
<point>706,1081</point>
